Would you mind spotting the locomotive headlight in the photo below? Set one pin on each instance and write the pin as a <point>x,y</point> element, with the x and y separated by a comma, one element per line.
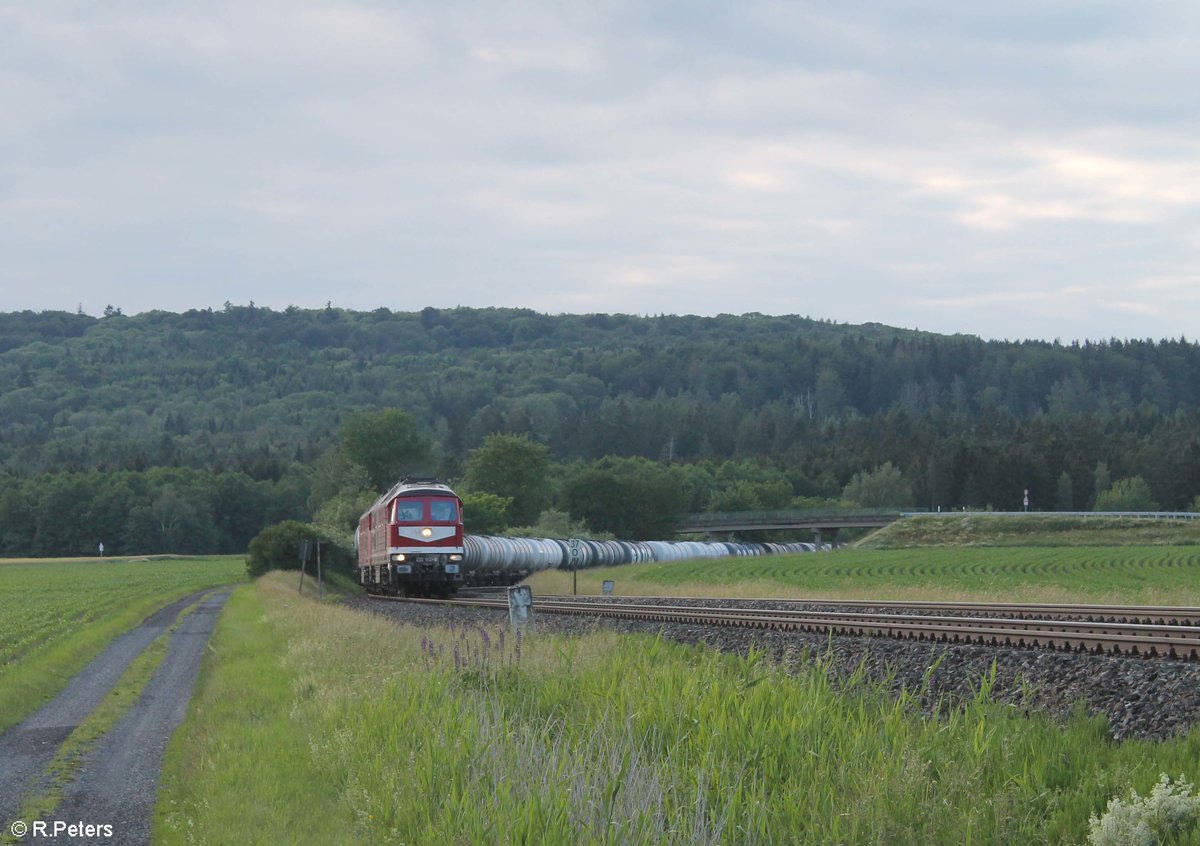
<point>427,532</point>
<point>398,557</point>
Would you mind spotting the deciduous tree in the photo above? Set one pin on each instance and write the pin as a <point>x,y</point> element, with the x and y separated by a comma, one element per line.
<point>1131,494</point>
<point>511,466</point>
<point>883,487</point>
<point>388,444</point>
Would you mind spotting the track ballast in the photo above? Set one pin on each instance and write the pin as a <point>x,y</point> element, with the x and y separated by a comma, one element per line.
<point>1142,631</point>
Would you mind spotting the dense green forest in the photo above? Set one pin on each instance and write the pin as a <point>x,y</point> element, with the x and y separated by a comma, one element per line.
<point>192,431</point>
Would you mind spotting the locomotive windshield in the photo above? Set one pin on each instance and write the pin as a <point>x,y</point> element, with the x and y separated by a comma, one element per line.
<point>409,512</point>
<point>426,511</point>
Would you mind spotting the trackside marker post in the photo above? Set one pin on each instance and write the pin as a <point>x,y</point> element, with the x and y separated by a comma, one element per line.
<point>574,548</point>
<point>520,608</point>
<point>304,550</point>
<point>309,548</point>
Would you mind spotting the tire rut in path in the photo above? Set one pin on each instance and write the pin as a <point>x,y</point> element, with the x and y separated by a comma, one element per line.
<point>118,783</point>
<point>28,747</point>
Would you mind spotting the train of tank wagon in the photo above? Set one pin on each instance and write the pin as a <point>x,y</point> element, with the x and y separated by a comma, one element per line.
<point>411,542</point>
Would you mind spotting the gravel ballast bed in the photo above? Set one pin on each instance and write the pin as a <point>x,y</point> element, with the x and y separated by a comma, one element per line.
<point>1142,698</point>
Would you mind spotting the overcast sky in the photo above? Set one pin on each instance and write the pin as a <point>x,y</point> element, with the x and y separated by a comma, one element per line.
<point>1007,169</point>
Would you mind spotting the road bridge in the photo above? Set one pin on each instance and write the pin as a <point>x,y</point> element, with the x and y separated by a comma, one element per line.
<point>823,523</point>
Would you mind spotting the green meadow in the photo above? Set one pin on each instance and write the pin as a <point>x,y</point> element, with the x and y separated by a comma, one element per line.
<point>57,615</point>
<point>1150,575</point>
<point>320,724</point>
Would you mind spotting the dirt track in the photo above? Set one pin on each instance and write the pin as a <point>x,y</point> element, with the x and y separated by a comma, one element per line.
<point>119,778</point>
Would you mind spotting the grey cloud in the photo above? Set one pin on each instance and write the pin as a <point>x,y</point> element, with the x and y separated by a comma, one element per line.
<point>1012,169</point>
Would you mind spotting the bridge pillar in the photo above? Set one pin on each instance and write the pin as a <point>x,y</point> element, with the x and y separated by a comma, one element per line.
<point>818,533</point>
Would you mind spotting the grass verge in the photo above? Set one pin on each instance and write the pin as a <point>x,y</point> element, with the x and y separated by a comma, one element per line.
<point>322,724</point>
<point>242,768</point>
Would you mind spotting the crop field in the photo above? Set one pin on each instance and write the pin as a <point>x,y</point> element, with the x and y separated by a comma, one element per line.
<point>55,616</point>
<point>305,728</point>
<point>1145,575</point>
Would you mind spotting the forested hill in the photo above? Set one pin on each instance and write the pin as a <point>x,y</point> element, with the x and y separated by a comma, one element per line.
<point>261,393</point>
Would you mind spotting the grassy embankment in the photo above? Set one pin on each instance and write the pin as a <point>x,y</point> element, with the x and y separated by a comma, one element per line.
<point>56,616</point>
<point>320,724</point>
<point>1036,558</point>
<point>1034,529</point>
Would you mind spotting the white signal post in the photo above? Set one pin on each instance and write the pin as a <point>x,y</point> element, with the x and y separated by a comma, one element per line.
<point>574,547</point>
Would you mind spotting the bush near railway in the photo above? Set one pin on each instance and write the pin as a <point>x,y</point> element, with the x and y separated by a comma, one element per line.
<point>1170,812</point>
<point>278,548</point>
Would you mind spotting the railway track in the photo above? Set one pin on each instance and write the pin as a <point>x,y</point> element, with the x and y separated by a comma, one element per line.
<point>1158,614</point>
<point>1147,631</point>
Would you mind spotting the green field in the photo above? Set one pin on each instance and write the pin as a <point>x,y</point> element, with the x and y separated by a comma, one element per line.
<point>320,724</point>
<point>1145,575</point>
<point>55,616</point>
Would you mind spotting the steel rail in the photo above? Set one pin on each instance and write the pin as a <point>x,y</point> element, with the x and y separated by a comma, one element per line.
<point>1160,614</point>
<point>1101,637</point>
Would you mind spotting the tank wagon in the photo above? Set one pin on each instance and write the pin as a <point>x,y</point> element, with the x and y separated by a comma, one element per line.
<point>500,560</point>
<point>411,542</point>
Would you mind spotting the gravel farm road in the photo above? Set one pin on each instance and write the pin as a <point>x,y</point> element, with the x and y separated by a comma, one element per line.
<point>116,787</point>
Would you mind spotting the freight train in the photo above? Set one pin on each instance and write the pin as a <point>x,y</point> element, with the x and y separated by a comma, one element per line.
<point>411,542</point>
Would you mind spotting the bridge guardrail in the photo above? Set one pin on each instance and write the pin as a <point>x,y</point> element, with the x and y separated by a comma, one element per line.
<point>791,514</point>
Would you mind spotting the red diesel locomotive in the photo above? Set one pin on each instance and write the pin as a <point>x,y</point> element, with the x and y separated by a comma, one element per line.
<point>410,541</point>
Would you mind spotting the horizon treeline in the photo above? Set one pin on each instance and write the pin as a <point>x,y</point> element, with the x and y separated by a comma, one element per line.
<point>174,407</point>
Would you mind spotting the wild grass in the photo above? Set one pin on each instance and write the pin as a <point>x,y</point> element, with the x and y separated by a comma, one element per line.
<point>56,617</point>
<point>242,768</point>
<point>317,723</point>
<point>1152,575</point>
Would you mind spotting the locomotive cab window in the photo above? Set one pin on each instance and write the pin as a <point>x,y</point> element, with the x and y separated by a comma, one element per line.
<point>442,511</point>
<point>409,512</point>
